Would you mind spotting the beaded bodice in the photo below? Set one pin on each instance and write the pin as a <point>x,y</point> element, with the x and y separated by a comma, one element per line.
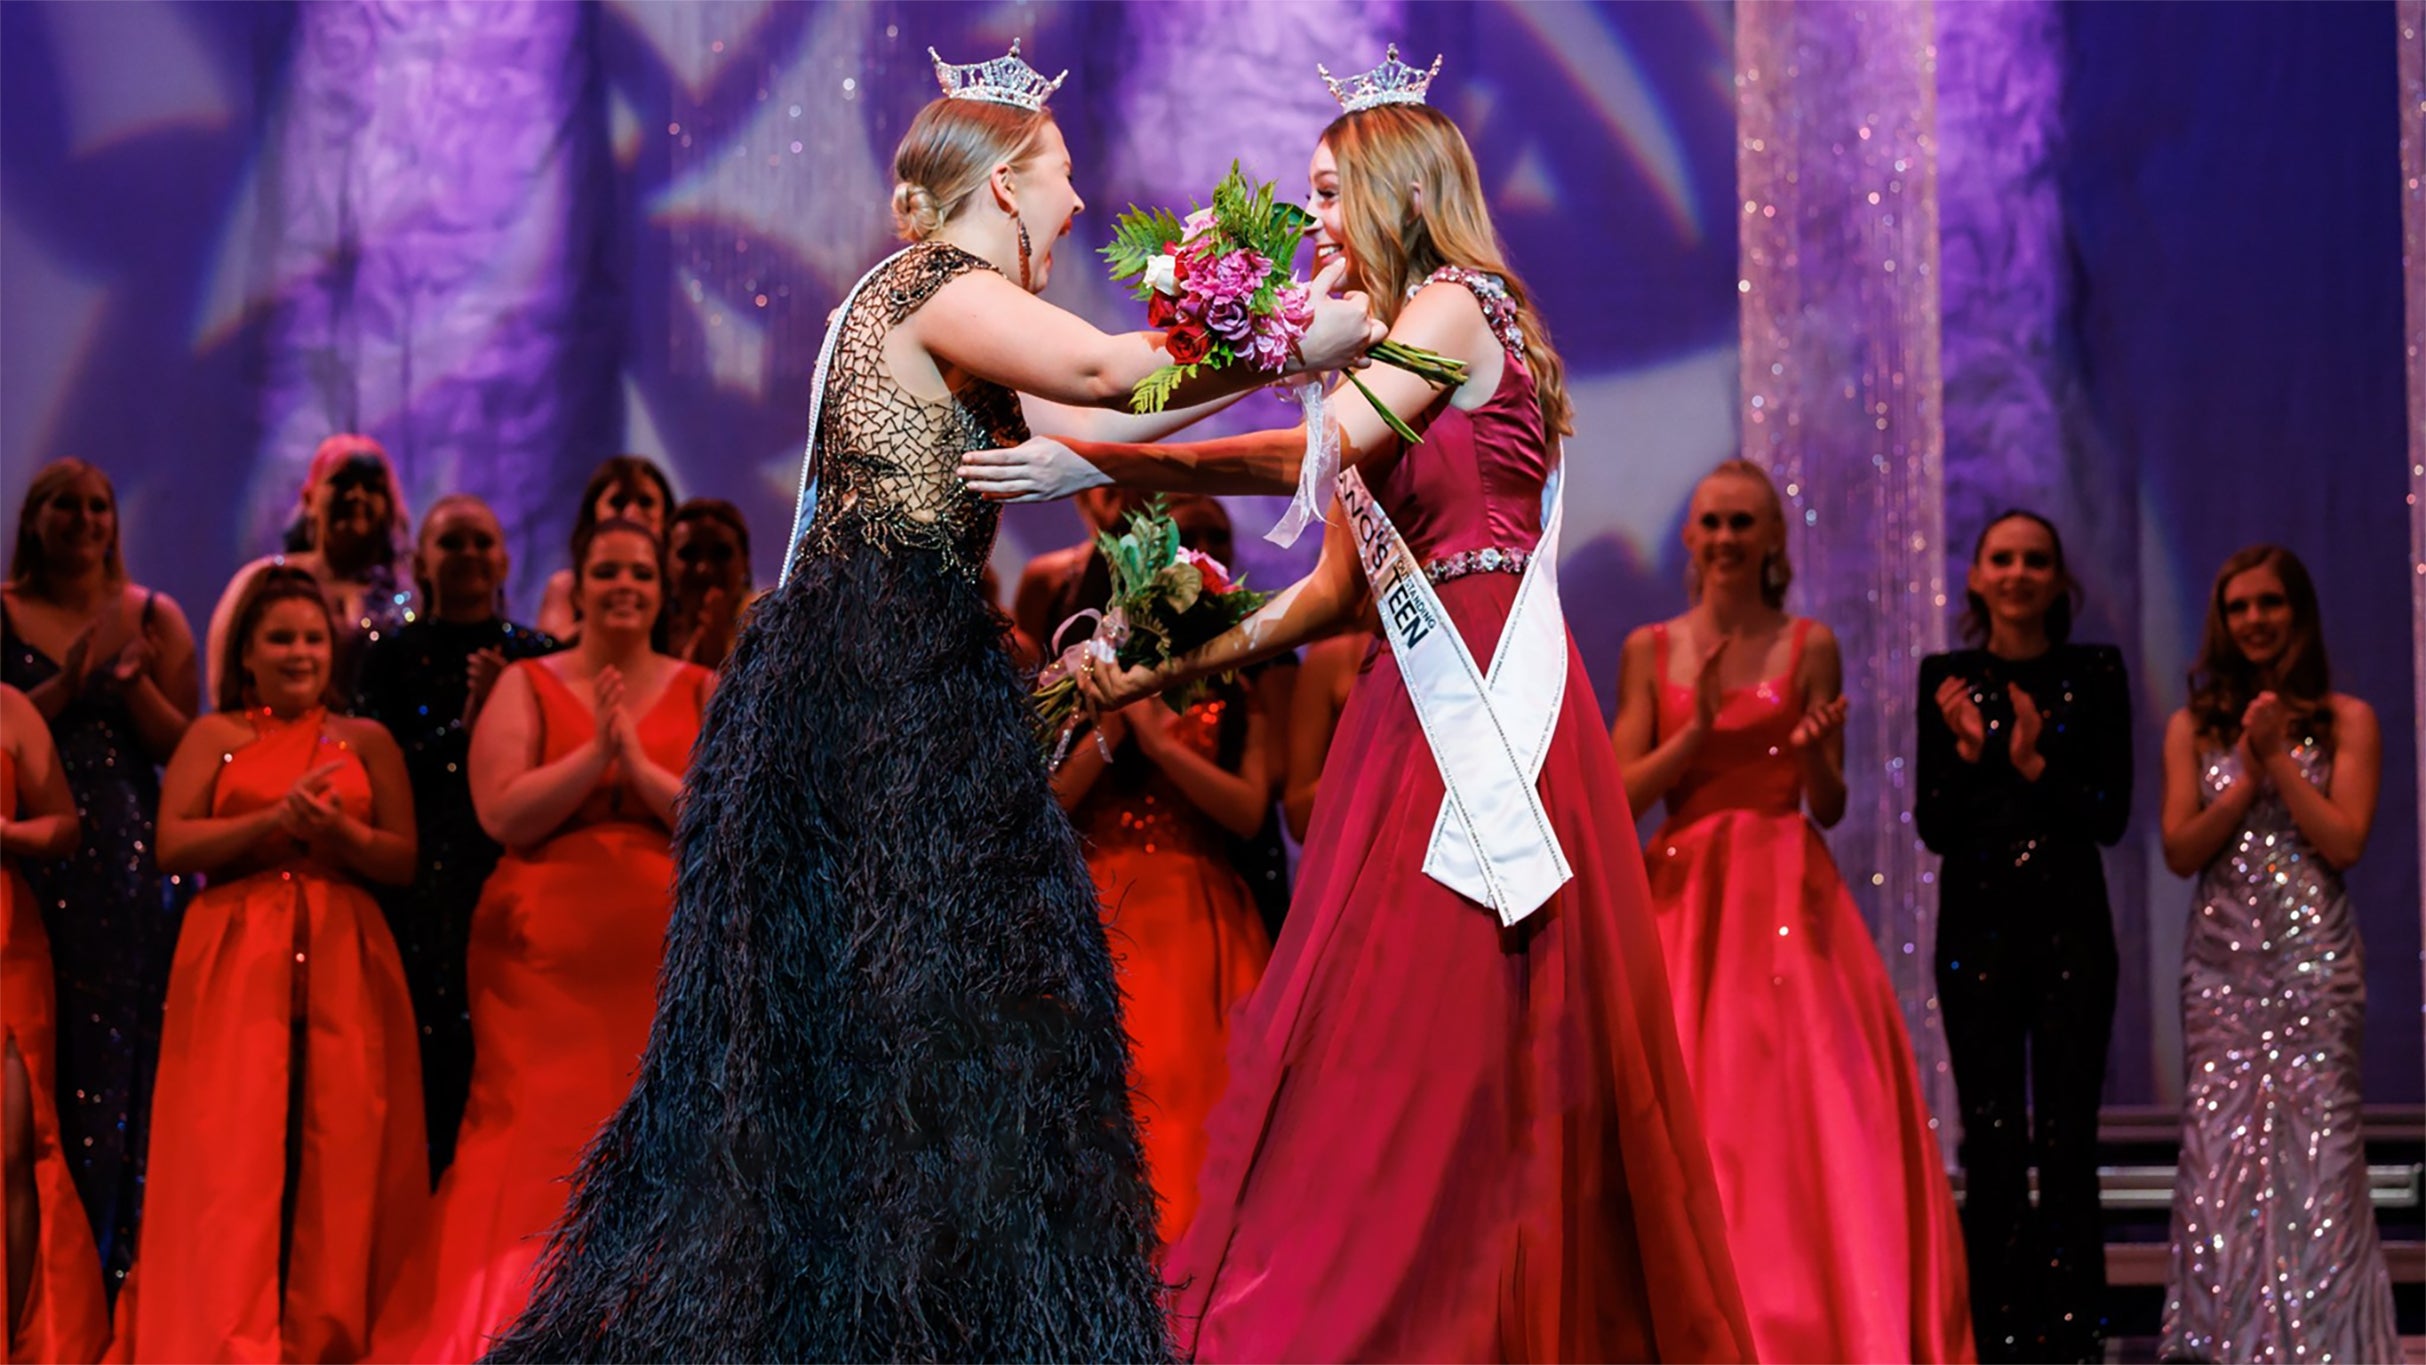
<point>885,457</point>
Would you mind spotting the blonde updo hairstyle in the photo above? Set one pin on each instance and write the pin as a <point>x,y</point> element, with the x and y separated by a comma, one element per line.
<point>946,156</point>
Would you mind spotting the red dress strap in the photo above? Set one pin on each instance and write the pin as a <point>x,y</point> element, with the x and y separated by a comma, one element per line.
<point>1794,656</point>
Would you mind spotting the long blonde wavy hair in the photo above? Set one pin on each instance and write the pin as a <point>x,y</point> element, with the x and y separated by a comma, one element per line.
<point>1396,240</point>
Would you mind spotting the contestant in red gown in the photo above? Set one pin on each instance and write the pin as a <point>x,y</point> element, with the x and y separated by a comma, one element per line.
<point>288,1165</point>
<point>1158,824</point>
<point>1830,1168</point>
<point>574,768</point>
<point>1442,1139</point>
<point>56,1310</point>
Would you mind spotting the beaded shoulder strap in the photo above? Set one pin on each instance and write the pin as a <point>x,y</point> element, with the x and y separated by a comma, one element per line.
<point>1499,307</point>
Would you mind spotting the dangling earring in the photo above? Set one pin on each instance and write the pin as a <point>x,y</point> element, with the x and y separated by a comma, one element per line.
<point>1018,222</point>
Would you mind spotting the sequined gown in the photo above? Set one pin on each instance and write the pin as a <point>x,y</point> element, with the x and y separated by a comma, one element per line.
<point>2275,1249</point>
<point>112,920</point>
<point>884,1111</point>
<point>414,682</point>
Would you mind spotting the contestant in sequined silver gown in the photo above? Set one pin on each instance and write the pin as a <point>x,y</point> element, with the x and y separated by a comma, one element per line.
<point>2275,1252</point>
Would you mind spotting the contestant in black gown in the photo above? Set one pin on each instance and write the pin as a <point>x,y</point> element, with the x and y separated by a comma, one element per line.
<point>884,1111</point>
<point>425,681</point>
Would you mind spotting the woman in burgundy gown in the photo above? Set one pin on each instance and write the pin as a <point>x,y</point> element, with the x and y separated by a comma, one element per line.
<point>1443,1138</point>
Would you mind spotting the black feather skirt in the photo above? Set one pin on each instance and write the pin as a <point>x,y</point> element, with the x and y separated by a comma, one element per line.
<point>884,1112</point>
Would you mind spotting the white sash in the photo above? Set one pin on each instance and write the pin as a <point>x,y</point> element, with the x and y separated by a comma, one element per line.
<point>804,507</point>
<point>1492,841</point>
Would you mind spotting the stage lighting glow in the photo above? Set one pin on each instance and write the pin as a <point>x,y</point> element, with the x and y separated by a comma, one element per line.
<point>158,75</point>
<point>698,39</point>
<point>1643,439</point>
<point>1579,43</point>
<point>825,205</point>
<point>38,380</point>
<point>736,341</point>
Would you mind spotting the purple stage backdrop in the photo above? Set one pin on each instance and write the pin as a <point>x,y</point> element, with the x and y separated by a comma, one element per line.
<point>512,237</point>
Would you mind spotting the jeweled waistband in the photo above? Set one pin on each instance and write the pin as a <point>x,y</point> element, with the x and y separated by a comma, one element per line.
<point>1490,559</point>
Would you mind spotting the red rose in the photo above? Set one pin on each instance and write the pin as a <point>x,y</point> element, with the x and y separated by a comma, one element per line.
<point>1161,311</point>
<point>1179,263</point>
<point>1216,577</point>
<point>1187,343</point>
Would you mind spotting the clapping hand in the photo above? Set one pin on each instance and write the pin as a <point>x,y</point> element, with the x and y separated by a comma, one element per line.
<point>309,812</point>
<point>1707,693</point>
<point>133,660</point>
<point>2266,726</point>
<point>614,725</point>
<point>1963,718</point>
<point>1818,724</point>
<point>76,669</point>
<point>2028,724</point>
<point>480,674</point>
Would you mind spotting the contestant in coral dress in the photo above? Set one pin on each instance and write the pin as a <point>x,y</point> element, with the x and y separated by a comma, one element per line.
<point>575,763</point>
<point>288,1163</point>
<point>1834,1184</point>
<point>56,1310</point>
<point>1442,1139</point>
<point>1158,824</point>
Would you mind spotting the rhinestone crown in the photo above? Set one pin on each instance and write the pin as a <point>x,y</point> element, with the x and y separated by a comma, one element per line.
<point>1004,80</point>
<point>1392,82</point>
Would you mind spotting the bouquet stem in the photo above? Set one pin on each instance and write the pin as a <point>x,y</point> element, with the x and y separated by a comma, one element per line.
<point>1429,366</point>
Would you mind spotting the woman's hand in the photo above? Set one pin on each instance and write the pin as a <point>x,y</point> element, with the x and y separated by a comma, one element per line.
<point>1963,718</point>
<point>480,674</point>
<point>1039,469</point>
<point>606,692</point>
<point>1108,687</point>
<point>1818,724</point>
<point>307,811</point>
<point>76,669</point>
<point>1343,328</point>
<point>2028,724</point>
<point>2266,725</point>
<point>1149,723</point>
<point>1708,695</point>
<point>134,659</point>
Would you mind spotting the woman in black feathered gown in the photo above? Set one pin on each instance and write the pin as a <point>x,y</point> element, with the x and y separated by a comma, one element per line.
<point>883,1113</point>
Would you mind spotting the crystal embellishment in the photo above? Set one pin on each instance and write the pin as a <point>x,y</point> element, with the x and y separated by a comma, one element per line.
<point>1392,82</point>
<point>1004,80</point>
<point>1489,559</point>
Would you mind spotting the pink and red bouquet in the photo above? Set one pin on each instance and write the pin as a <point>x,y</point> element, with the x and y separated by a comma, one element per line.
<point>1219,283</point>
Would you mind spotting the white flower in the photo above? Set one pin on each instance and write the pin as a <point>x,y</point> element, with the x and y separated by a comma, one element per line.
<point>1162,275</point>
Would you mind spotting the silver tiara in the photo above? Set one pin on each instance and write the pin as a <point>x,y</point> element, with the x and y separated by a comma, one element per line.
<point>1392,82</point>
<point>1004,80</point>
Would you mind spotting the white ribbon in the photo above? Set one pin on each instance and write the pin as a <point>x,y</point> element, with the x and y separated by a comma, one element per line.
<point>1492,841</point>
<point>804,506</point>
<point>1317,471</point>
